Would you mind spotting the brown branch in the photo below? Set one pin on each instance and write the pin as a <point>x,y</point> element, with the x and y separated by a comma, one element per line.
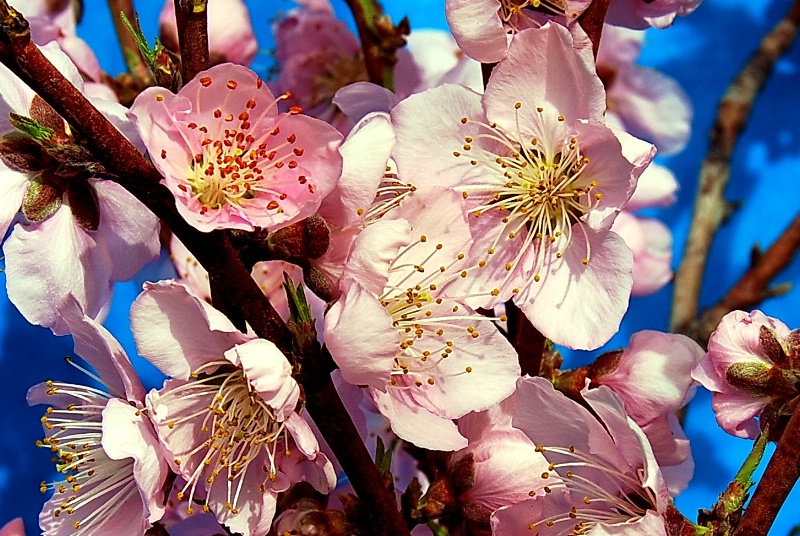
<point>213,250</point>
<point>710,207</point>
<point>526,340</point>
<point>774,487</point>
<point>191,17</point>
<point>753,287</point>
<point>592,21</point>
<point>380,40</point>
<point>137,67</point>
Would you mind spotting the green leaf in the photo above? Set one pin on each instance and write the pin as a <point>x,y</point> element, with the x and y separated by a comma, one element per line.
<point>31,127</point>
<point>138,36</point>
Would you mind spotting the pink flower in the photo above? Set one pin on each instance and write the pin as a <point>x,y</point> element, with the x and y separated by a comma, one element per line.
<point>647,103</point>
<point>483,28</point>
<point>543,179</point>
<point>77,234</point>
<point>230,159</point>
<point>606,480</point>
<point>103,442</point>
<point>230,32</point>
<point>739,369</point>
<point>641,14</point>
<point>417,348</point>
<point>225,414</point>
<point>653,378</point>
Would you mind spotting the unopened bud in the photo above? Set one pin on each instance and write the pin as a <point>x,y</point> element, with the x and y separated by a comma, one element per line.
<point>306,239</point>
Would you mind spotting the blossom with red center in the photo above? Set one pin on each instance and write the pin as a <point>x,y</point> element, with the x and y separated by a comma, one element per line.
<point>103,441</point>
<point>543,180</point>
<point>483,28</point>
<point>229,414</point>
<point>231,160</point>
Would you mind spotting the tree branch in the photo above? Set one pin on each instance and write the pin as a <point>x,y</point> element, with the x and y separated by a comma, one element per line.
<point>710,207</point>
<point>137,67</point>
<point>191,17</point>
<point>753,287</point>
<point>775,485</point>
<point>380,40</point>
<point>592,21</point>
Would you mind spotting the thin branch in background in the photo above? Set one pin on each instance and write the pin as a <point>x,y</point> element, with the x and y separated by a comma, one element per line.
<point>130,51</point>
<point>592,21</point>
<point>710,207</point>
<point>380,40</point>
<point>753,287</point>
<point>775,485</point>
<point>213,250</point>
<point>191,17</point>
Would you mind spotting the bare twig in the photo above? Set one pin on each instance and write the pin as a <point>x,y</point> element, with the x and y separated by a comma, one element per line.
<point>380,40</point>
<point>775,485</point>
<point>753,287</point>
<point>130,51</point>
<point>592,21</point>
<point>710,206</point>
<point>213,250</point>
<point>192,20</point>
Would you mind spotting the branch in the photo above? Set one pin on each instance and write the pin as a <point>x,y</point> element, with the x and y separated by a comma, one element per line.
<point>130,51</point>
<point>710,207</point>
<point>779,478</point>
<point>380,40</point>
<point>753,287</point>
<point>592,21</point>
<point>191,17</point>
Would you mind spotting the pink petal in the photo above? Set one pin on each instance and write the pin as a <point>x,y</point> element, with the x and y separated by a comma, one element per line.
<point>178,332</point>
<point>269,372</point>
<point>477,28</point>
<point>127,433</point>
<point>373,253</point>
<point>12,191</point>
<point>130,229</point>
<point>49,260</point>
<point>657,187</point>
<point>418,425</point>
<point>594,296</point>
<point>361,338</point>
<point>102,351</point>
<point>15,527</point>
<point>544,70</point>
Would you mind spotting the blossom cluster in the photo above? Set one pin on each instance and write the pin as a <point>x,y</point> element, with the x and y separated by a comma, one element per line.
<point>421,221</point>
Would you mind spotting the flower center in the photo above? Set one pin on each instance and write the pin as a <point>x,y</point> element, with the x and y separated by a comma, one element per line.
<point>233,166</point>
<point>238,432</point>
<point>538,192</point>
<point>620,498</point>
<point>94,486</point>
<point>517,13</point>
<point>423,318</point>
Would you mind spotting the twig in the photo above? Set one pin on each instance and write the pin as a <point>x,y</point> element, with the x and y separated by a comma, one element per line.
<point>753,287</point>
<point>710,207</point>
<point>526,340</point>
<point>380,40</point>
<point>130,51</point>
<point>592,21</point>
<point>775,485</point>
<point>213,250</point>
<point>191,17</point>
